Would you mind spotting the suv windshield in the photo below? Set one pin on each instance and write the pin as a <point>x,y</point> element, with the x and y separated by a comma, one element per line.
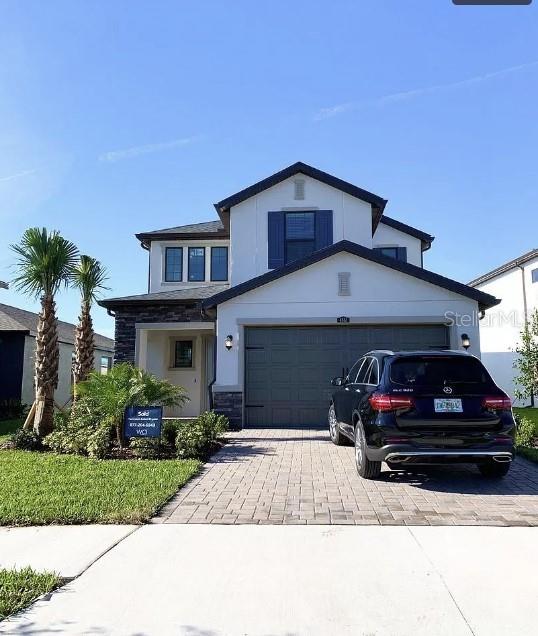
<point>438,370</point>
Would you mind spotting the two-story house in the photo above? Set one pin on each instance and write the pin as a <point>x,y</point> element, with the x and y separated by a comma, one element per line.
<point>255,312</point>
<point>516,282</point>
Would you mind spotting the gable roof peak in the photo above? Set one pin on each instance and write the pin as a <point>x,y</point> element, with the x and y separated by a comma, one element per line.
<point>378,203</point>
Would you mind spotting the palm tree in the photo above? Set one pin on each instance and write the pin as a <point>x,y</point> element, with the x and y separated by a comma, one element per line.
<point>45,262</point>
<point>88,276</point>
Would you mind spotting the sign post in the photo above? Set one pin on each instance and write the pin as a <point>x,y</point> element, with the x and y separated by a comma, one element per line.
<point>142,421</point>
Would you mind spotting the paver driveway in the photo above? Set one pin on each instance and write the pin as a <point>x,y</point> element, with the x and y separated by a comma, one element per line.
<point>285,476</point>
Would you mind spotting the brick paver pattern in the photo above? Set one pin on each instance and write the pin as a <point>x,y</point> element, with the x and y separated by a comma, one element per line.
<point>297,476</point>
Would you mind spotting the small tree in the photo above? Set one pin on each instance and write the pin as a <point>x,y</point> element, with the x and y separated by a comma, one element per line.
<point>527,362</point>
<point>45,262</point>
<point>88,277</point>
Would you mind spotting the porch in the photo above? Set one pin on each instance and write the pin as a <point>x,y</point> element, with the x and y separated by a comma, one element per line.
<point>183,353</point>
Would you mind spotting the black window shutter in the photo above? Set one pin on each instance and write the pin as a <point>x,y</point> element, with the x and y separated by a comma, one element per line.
<point>324,228</point>
<point>275,240</point>
<point>402,254</point>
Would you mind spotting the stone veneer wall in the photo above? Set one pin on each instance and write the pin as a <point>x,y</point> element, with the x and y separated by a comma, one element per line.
<point>230,404</point>
<point>127,317</point>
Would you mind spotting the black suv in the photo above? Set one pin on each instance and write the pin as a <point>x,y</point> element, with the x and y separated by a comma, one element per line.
<point>422,407</point>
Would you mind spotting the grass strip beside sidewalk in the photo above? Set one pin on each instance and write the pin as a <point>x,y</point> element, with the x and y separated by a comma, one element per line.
<point>20,588</point>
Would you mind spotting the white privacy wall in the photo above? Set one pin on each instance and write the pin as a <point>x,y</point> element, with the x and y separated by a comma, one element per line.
<point>352,220</point>
<point>386,236</point>
<point>310,296</point>
<point>500,330</point>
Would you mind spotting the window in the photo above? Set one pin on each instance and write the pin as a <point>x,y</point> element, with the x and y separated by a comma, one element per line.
<point>392,252</point>
<point>438,371</point>
<point>300,235</point>
<point>534,275</point>
<point>105,364</point>
<point>219,263</point>
<point>352,375</point>
<point>173,264</point>
<point>183,354</point>
<point>363,373</point>
<point>373,373</point>
<point>399,253</point>
<point>196,263</point>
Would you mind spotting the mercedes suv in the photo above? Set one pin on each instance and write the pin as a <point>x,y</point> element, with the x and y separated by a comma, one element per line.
<point>422,407</point>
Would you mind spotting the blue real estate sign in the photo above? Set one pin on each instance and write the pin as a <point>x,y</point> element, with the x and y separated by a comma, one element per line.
<point>143,421</point>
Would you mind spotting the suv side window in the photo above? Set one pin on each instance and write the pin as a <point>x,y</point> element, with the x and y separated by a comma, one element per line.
<point>373,373</point>
<point>363,373</point>
<point>352,373</point>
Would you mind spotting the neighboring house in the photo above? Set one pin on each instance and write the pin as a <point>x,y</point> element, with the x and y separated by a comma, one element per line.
<point>18,329</point>
<point>516,282</point>
<point>255,312</point>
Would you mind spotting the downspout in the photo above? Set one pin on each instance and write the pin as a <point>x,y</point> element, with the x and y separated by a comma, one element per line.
<point>525,311</point>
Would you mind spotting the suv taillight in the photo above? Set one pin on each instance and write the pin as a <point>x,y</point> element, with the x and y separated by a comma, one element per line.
<point>384,402</point>
<point>497,403</point>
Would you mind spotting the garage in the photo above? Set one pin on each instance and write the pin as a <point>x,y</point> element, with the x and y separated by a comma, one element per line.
<point>288,369</point>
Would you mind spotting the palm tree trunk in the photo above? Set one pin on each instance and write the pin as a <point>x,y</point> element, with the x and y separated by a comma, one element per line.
<point>84,345</point>
<point>46,367</point>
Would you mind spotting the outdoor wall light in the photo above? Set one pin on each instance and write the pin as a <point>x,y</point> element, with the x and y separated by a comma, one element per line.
<point>228,342</point>
<point>465,341</point>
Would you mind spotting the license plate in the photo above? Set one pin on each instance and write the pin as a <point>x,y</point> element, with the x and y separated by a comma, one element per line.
<point>448,405</point>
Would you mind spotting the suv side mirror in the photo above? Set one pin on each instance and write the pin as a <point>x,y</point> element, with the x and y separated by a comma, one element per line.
<point>338,381</point>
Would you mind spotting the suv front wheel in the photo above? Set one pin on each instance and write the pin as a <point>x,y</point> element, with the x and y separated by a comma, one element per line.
<point>365,467</point>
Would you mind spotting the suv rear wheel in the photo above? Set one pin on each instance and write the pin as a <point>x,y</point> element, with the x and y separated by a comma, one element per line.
<point>493,469</point>
<point>365,467</point>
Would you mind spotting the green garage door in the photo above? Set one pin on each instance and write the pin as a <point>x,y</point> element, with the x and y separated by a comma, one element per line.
<point>288,370</point>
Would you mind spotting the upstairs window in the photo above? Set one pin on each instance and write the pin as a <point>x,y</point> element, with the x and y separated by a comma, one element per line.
<point>300,235</point>
<point>534,275</point>
<point>219,263</point>
<point>196,263</point>
<point>399,253</point>
<point>173,264</point>
<point>295,235</point>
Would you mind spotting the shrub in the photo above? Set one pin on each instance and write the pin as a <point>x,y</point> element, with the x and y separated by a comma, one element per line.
<point>194,440</point>
<point>26,440</point>
<point>213,424</point>
<point>80,432</point>
<point>169,432</point>
<point>125,385</point>
<point>146,447</point>
<point>524,432</point>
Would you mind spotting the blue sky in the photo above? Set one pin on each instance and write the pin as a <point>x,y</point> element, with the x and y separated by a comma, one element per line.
<point>120,117</point>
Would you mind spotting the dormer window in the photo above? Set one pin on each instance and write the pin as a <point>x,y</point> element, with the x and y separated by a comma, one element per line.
<point>300,235</point>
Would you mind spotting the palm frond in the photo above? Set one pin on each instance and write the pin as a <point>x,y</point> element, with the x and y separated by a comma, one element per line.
<point>89,276</point>
<point>45,261</point>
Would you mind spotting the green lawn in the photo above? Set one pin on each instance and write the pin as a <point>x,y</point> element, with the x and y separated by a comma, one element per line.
<point>7,427</point>
<point>43,488</point>
<point>530,414</point>
<point>19,588</point>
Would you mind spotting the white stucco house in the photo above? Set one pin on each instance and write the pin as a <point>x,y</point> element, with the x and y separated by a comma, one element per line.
<point>516,283</point>
<point>18,330</point>
<point>302,272</point>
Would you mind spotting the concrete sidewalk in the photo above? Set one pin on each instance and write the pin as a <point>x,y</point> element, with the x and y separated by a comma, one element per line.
<point>66,550</point>
<point>208,580</point>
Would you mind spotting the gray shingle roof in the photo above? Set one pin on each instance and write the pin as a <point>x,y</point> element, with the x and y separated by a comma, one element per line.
<point>194,230</point>
<point>172,296</point>
<point>15,319</point>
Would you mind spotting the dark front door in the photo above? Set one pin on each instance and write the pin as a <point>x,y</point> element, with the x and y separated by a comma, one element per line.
<point>288,370</point>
